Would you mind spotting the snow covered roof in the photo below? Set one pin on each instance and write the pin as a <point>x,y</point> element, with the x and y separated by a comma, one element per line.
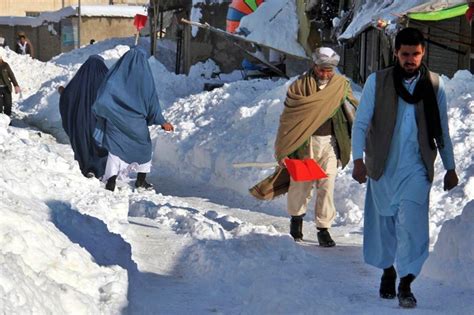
<point>438,10</point>
<point>368,12</point>
<point>436,5</point>
<point>275,24</point>
<point>86,10</point>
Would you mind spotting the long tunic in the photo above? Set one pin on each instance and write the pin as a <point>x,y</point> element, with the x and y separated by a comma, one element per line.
<point>405,179</point>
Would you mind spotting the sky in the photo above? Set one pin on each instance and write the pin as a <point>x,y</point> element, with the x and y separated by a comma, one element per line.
<point>200,243</point>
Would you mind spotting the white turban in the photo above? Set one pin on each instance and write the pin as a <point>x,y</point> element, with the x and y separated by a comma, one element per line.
<point>325,56</point>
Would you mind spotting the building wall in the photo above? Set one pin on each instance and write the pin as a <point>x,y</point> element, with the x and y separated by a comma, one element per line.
<point>21,7</point>
<point>45,45</point>
<point>348,65</point>
<point>450,52</point>
<point>207,43</point>
<point>8,32</point>
<point>100,28</point>
<point>49,42</point>
<point>451,33</point>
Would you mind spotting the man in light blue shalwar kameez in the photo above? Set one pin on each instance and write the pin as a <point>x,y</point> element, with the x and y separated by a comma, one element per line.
<point>400,135</point>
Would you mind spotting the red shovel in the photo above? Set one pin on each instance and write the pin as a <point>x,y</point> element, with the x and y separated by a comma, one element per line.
<point>139,21</point>
<point>304,170</point>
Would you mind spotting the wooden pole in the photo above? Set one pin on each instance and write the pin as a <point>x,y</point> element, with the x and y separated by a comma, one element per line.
<point>79,25</point>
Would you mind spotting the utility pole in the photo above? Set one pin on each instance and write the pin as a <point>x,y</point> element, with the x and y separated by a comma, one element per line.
<point>79,25</point>
<point>153,15</point>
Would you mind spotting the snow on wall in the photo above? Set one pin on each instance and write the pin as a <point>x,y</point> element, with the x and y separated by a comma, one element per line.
<point>275,24</point>
<point>86,10</point>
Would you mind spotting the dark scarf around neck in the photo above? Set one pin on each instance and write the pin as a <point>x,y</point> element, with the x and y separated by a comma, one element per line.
<point>423,91</point>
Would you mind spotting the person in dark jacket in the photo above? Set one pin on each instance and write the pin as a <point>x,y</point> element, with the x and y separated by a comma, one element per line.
<point>7,78</point>
<point>23,45</point>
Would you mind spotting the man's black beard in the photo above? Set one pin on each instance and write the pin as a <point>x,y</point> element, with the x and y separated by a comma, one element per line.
<point>408,75</point>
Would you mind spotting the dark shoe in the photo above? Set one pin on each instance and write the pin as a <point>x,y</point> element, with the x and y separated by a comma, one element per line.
<point>324,238</point>
<point>406,299</point>
<point>110,185</point>
<point>142,183</point>
<point>296,227</point>
<point>387,283</point>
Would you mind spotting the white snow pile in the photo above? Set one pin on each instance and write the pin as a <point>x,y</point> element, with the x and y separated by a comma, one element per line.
<point>453,255</point>
<point>39,80</point>
<point>446,205</point>
<point>41,269</point>
<point>209,125</point>
<point>236,123</point>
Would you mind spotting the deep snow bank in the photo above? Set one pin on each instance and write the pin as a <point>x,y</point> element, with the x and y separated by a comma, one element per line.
<point>453,255</point>
<point>42,270</point>
<point>238,123</point>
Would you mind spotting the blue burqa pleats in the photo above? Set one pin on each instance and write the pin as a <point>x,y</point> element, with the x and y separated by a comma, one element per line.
<point>78,120</point>
<point>127,103</point>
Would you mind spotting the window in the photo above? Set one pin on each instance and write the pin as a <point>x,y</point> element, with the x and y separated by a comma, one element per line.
<point>33,13</point>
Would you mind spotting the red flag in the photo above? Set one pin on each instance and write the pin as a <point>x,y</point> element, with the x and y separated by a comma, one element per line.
<point>470,13</point>
<point>139,21</point>
<point>304,170</point>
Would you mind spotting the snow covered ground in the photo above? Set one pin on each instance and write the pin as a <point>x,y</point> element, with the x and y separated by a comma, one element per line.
<point>200,244</point>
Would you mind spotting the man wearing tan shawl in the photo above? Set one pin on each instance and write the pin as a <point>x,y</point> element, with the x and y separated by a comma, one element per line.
<point>314,125</point>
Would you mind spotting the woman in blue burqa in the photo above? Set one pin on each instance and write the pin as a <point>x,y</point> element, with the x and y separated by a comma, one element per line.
<point>78,120</point>
<point>127,103</point>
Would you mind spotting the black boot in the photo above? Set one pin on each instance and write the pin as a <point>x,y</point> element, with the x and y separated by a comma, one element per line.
<point>387,283</point>
<point>142,183</point>
<point>296,227</point>
<point>406,299</point>
<point>110,185</point>
<point>324,238</point>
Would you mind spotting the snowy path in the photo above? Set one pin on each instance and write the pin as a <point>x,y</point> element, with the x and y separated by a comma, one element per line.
<point>254,273</point>
<point>180,255</point>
